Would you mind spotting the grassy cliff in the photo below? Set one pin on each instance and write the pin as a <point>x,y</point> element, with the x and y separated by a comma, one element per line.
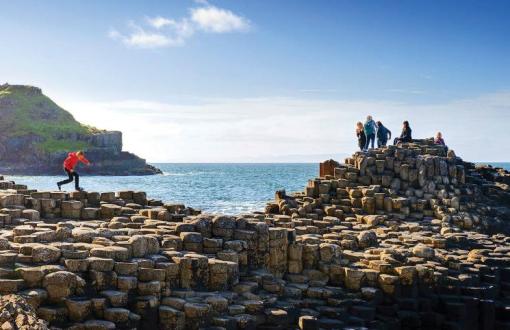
<point>36,135</point>
<point>24,110</point>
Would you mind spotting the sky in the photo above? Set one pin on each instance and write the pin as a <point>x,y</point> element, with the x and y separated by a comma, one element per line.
<point>267,81</point>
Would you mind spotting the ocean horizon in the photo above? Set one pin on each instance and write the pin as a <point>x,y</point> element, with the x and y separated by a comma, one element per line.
<point>228,188</point>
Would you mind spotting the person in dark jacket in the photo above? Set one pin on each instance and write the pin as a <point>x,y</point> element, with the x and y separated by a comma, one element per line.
<point>406,135</point>
<point>360,133</point>
<point>383,135</point>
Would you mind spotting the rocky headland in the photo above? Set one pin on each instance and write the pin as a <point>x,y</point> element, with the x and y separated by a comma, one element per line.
<point>36,135</point>
<point>407,237</point>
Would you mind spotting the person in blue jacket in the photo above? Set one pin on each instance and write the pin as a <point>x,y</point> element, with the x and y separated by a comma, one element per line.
<point>383,135</point>
<point>370,128</point>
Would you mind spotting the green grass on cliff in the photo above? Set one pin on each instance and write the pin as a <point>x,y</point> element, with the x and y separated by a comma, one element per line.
<point>24,110</point>
<point>53,145</point>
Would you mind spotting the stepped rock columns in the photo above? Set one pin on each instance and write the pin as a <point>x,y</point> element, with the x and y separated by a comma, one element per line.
<point>401,237</point>
<point>110,140</point>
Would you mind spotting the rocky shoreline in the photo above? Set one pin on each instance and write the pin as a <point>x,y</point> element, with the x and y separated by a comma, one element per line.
<point>105,151</point>
<point>407,237</point>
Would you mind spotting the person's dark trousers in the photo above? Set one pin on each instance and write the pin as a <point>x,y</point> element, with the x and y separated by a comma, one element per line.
<point>72,175</point>
<point>370,139</point>
<point>381,143</point>
<point>396,141</point>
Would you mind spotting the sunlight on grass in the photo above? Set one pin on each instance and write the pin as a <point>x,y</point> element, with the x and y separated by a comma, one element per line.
<point>26,111</point>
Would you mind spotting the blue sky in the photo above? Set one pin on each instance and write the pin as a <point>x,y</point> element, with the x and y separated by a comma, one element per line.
<point>267,80</point>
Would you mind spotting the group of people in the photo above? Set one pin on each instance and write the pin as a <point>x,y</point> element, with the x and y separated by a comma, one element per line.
<point>367,134</point>
<point>371,130</point>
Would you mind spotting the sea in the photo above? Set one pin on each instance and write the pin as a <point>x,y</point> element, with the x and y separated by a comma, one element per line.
<point>212,188</point>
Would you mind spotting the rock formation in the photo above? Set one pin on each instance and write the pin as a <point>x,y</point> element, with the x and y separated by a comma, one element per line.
<point>16,313</point>
<point>36,135</point>
<point>407,237</point>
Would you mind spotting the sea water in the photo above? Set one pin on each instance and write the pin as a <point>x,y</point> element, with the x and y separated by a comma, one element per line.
<point>213,188</point>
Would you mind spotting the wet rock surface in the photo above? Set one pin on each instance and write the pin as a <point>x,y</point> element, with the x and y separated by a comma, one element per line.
<point>407,237</point>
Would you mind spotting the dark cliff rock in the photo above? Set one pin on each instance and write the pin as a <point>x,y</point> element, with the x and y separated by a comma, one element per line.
<point>36,135</point>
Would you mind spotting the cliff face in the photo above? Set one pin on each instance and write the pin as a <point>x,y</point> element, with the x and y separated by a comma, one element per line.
<point>36,135</point>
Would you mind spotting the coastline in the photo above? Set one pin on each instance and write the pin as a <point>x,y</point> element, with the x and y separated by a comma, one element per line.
<point>394,223</point>
<point>212,187</point>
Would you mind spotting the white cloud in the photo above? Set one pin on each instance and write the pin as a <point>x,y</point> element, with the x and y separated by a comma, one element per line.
<point>268,129</point>
<point>175,34</point>
<point>148,40</point>
<point>161,31</point>
<point>217,20</point>
<point>159,22</point>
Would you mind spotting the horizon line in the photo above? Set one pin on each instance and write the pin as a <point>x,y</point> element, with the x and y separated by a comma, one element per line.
<point>310,162</point>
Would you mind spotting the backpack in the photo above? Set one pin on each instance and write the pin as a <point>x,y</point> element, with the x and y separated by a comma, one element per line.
<point>369,127</point>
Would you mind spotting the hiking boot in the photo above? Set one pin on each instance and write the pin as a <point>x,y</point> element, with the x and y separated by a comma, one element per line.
<point>79,189</point>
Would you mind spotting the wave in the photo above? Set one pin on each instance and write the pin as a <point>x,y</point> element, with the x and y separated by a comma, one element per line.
<point>184,174</point>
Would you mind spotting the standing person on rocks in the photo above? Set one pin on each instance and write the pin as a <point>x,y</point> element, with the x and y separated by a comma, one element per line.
<point>383,135</point>
<point>370,128</point>
<point>360,133</point>
<point>406,135</point>
<point>69,164</point>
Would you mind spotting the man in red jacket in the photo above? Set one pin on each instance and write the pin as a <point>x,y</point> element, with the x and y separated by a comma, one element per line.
<point>69,164</point>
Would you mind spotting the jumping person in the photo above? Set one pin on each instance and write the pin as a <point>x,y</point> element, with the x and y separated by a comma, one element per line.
<point>370,129</point>
<point>360,133</point>
<point>69,164</point>
<point>406,135</point>
<point>383,135</point>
